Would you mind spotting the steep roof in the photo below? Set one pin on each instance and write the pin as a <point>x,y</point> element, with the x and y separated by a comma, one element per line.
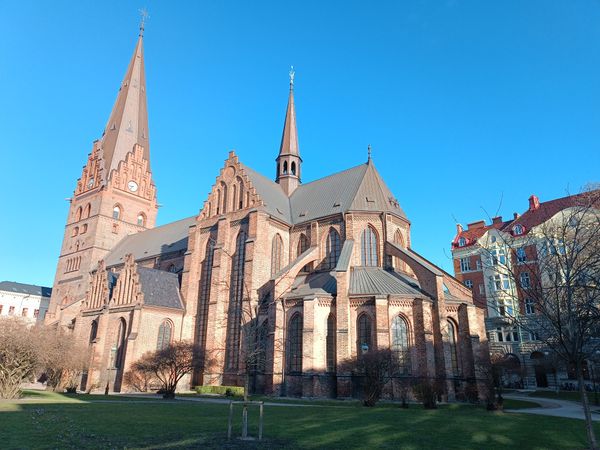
<point>289,138</point>
<point>359,188</point>
<point>22,288</point>
<point>168,238</point>
<point>160,288</point>
<point>128,121</point>
<point>375,281</point>
<point>276,202</point>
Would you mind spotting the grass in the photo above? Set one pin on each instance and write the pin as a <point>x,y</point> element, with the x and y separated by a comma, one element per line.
<point>52,420</point>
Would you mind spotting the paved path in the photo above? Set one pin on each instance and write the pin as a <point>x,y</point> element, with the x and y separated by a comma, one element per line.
<point>551,407</point>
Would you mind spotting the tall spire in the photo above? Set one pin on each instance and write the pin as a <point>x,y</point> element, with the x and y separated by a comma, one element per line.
<point>289,161</point>
<point>128,121</point>
<point>289,139</point>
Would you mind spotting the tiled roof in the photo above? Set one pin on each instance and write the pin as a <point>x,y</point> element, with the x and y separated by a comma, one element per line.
<point>534,216</point>
<point>375,281</point>
<point>22,288</point>
<point>168,238</point>
<point>276,202</point>
<point>160,288</point>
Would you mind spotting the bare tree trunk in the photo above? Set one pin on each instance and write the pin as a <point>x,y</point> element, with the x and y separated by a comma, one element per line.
<point>589,424</point>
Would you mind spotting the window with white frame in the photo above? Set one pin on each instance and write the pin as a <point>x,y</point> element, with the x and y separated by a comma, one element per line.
<point>465,264</point>
<point>478,263</point>
<point>518,230</point>
<point>501,282</point>
<point>521,255</point>
<point>498,256</point>
<point>525,280</point>
<point>462,242</point>
<point>506,334</point>
<point>529,307</point>
<point>481,289</point>
<point>469,284</point>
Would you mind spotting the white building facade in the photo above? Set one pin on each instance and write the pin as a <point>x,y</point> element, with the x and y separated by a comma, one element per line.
<point>24,300</point>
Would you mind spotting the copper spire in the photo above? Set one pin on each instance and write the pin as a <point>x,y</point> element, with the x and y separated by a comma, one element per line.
<point>128,121</point>
<point>289,139</point>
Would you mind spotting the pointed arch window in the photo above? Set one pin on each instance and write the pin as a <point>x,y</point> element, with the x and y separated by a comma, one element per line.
<point>165,333</point>
<point>452,342</point>
<point>294,353</point>
<point>236,296</point>
<point>234,198</point>
<point>141,220</point>
<point>331,343</point>
<point>369,247</point>
<point>225,200</point>
<point>400,344</point>
<point>206,280</point>
<point>364,334</point>
<point>332,248</point>
<point>399,240</point>
<point>303,244</point>
<point>293,168</point>
<point>116,212</point>
<point>87,211</point>
<point>241,195</point>
<point>93,331</point>
<point>276,254</point>
<point>120,342</point>
<point>285,168</point>
<point>218,201</point>
<point>78,215</point>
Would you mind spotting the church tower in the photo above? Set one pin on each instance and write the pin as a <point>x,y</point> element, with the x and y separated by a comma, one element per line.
<point>288,161</point>
<point>114,197</point>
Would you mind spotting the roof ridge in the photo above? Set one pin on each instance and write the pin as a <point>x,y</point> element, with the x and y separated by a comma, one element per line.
<point>331,175</point>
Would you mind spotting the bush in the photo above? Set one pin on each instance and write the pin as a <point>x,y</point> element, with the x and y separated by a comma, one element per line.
<point>426,392</point>
<point>229,391</point>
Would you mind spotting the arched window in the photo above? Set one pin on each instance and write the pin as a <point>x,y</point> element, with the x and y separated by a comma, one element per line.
<point>116,212</point>
<point>285,169</point>
<point>294,352</point>
<point>332,248</point>
<point>218,202</point>
<point>518,230</point>
<point>369,247</point>
<point>452,341</point>
<point>241,195</point>
<point>141,220</point>
<point>120,344</point>
<point>172,268</point>
<point>93,331</point>
<point>84,228</point>
<point>234,201</point>
<point>364,336</point>
<point>225,200</point>
<point>276,254</point>
<point>399,265</point>
<point>78,215</point>
<point>75,231</point>
<point>462,242</point>
<point>293,168</point>
<point>400,344</point>
<point>165,331</point>
<point>263,341</point>
<point>236,296</point>
<point>303,244</point>
<point>87,211</point>
<point>205,283</point>
<point>331,343</point>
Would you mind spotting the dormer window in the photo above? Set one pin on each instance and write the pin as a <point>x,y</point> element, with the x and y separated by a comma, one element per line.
<point>518,230</point>
<point>462,242</point>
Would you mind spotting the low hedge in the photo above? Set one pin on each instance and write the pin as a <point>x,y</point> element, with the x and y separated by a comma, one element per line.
<point>229,391</point>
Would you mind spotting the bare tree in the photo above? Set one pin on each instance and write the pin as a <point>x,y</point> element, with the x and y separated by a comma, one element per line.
<point>19,355</point>
<point>63,358</point>
<point>547,284</point>
<point>170,364</point>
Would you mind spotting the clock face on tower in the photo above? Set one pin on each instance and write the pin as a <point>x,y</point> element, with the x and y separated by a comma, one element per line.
<point>132,186</point>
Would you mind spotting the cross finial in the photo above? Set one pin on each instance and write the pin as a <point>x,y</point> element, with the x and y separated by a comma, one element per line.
<point>292,74</point>
<point>144,15</point>
<point>369,151</point>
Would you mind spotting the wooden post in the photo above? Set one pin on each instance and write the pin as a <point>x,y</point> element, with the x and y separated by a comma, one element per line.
<point>229,422</point>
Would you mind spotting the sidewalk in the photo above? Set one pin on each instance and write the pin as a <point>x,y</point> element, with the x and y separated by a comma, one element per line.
<point>551,407</point>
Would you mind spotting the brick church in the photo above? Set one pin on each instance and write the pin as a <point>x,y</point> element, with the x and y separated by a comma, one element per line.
<point>311,274</point>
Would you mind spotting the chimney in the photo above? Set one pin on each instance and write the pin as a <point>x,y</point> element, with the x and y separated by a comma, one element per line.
<point>515,216</point>
<point>476,225</point>
<point>534,203</point>
<point>459,228</point>
<point>497,219</point>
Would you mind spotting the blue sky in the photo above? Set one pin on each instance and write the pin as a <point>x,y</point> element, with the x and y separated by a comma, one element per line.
<point>470,106</point>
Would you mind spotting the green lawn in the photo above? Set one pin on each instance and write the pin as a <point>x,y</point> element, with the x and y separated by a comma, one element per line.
<point>509,403</point>
<point>56,421</point>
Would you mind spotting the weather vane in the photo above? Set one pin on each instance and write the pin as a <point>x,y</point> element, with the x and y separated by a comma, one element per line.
<point>369,151</point>
<point>292,74</point>
<point>144,15</point>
